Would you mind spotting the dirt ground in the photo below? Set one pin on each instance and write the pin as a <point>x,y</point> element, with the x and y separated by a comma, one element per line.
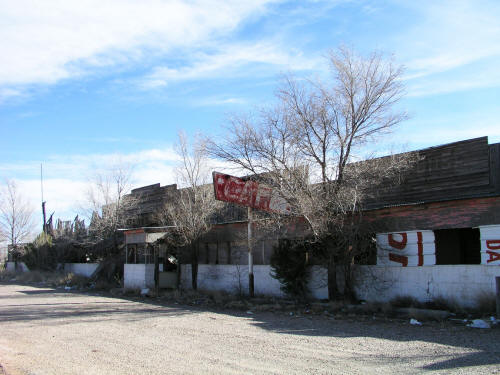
<point>47,331</point>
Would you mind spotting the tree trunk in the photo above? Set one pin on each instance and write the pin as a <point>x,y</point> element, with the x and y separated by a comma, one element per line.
<point>194,265</point>
<point>179,276</point>
<point>333,291</point>
<point>348,284</point>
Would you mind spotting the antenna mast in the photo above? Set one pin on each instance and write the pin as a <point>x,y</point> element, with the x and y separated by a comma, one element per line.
<point>43,202</point>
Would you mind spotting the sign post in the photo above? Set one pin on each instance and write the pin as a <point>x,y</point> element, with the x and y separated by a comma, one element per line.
<point>252,195</point>
<point>250,254</point>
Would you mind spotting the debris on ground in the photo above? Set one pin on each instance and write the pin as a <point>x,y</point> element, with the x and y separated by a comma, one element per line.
<point>415,322</point>
<point>479,323</point>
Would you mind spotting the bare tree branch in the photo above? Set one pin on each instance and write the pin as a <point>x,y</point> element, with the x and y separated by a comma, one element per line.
<point>306,145</point>
<point>16,215</point>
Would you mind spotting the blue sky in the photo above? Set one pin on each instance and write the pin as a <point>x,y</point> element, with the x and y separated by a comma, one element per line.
<point>86,83</point>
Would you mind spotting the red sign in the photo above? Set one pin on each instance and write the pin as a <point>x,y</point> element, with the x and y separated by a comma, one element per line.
<point>248,193</point>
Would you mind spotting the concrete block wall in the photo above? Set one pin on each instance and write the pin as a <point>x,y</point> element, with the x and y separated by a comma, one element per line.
<point>462,284</point>
<point>232,279</point>
<point>84,269</point>
<point>21,267</point>
<point>138,276</point>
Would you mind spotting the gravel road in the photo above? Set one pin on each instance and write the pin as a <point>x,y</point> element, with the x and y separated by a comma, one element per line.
<point>47,331</point>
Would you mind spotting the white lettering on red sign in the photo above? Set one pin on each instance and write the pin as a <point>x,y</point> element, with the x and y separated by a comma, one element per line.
<point>248,193</point>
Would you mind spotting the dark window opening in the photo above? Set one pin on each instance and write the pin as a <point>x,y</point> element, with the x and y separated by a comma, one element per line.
<point>458,246</point>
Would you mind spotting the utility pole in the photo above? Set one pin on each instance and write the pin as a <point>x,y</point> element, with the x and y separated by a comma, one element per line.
<point>43,202</point>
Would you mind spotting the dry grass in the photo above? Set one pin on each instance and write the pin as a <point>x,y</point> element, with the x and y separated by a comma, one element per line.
<point>71,279</point>
<point>446,304</point>
<point>7,275</point>
<point>405,301</point>
<point>486,303</point>
<point>385,308</point>
<point>104,285</point>
<point>54,278</point>
<point>132,292</point>
<point>336,306</point>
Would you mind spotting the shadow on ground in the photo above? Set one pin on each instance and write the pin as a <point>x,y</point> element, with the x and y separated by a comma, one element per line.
<point>45,304</point>
<point>50,305</point>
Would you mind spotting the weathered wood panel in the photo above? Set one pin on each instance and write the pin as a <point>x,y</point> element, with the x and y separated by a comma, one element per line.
<point>464,213</point>
<point>456,170</point>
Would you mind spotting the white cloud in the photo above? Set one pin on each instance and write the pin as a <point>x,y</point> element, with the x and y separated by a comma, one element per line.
<point>220,101</point>
<point>67,178</point>
<point>449,36</point>
<point>45,42</point>
<point>227,61</point>
<point>9,93</point>
<point>478,76</point>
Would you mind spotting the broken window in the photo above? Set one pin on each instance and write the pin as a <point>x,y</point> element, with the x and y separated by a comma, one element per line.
<point>458,246</point>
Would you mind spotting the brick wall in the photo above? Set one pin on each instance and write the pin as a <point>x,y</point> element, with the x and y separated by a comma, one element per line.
<point>438,215</point>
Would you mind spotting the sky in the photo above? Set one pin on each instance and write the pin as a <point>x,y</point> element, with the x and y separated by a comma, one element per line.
<point>87,84</point>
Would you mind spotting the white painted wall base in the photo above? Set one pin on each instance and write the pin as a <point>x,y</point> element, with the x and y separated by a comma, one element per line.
<point>138,276</point>
<point>84,269</point>
<point>462,284</point>
<point>21,267</point>
<point>231,278</point>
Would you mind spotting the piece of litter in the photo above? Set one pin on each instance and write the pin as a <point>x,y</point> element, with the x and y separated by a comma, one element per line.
<point>144,291</point>
<point>249,312</point>
<point>67,288</point>
<point>479,323</point>
<point>415,322</point>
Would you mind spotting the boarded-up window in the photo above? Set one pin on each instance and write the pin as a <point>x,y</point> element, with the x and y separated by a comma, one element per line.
<point>239,252</point>
<point>258,252</point>
<point>212,253</point>
<point>224,252</point>
<point>202,254</point>
<point>458,246</point>
<point>262,251</point>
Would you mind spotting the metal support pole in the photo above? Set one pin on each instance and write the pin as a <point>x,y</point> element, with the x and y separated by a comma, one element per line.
<point>250,255</point>
<point>157,270</point>
<point>497,280</point>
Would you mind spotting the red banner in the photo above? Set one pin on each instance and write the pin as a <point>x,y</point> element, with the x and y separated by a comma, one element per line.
<point>248,193</point>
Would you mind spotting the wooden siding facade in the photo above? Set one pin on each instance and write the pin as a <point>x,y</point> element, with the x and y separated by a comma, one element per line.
<point>459,170</point>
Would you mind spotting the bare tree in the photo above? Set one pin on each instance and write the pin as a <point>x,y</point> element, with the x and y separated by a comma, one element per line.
<point>308,147</point>
<point>106,205</point>
<point>16,217</point>
<point>193,212</point>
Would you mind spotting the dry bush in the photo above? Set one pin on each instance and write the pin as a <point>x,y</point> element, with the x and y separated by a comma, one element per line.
<point>132,292</point>
<point>447,304</point>
<point>220,297</point>
<point>32,277</point>
<point>104,285</point>
<point>486,303</point>
<point>171,294</point>
<point>384,308</point>
<point>336,306</point>
<point>71,279</point>
<point>7,275</point>
<point>405,301</point>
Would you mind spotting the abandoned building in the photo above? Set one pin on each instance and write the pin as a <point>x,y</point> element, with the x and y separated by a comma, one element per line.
<point>438,236</point>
